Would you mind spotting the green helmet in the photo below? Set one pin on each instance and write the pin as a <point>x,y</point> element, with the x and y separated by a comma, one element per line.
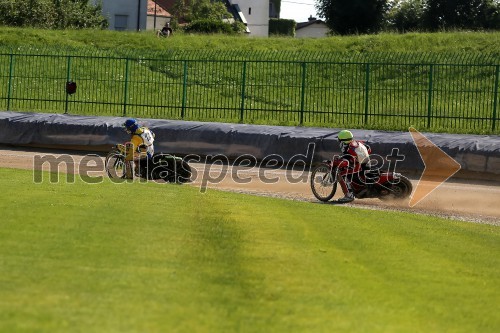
<point>345,136</point>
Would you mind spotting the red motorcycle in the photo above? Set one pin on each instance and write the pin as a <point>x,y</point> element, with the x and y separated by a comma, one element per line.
<point>364,183</point>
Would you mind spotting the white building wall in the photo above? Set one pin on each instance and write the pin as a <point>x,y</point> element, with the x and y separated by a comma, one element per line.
<point>158,24</point>
<point>125,14</point>
<point>257,15</point>
<point>313,30</point>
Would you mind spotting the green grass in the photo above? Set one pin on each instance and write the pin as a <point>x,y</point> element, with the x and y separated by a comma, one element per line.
<point>311,82</point>
<point>446,42</point>
<point>137,257</point>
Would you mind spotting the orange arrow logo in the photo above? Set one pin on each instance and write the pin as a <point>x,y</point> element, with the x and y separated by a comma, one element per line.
<point>438,167</point>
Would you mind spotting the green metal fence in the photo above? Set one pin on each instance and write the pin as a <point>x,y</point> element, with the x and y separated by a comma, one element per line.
<point>449,93</point>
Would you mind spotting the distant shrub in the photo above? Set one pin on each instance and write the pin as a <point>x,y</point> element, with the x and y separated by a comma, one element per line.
<point>214,27</point>
<point>282,27</point>
<point>238,27</point>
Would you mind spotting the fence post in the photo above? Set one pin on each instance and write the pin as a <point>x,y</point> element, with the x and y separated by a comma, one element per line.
<point>429,102</point>
<point>495,100</point>
<point>367,90</point>
<point>125,92</point>
<point>303,94</point>
<point>184,91</point>
<point>68,68</point>
<point>11,71</point>
<point>243,86</point>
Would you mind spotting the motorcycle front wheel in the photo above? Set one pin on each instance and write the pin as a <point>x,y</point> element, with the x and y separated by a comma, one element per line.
<point>323,182</point>
<point>115,165</point>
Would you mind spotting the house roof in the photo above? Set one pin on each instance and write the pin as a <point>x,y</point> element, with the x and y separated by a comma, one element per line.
<point>161,7</point>
<point>164,6</point>
<point>302,25</point>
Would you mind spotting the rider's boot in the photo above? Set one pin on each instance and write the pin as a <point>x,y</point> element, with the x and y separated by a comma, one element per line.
<point>349,197</point>
<point>137,169</point>
<point>345,184</point>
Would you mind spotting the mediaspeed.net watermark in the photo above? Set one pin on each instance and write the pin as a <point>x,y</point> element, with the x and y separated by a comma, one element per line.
<point>204,170</point>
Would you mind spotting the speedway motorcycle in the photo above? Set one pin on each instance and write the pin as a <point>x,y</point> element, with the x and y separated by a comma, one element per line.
<point>166,167</point>
<point>364,183</point>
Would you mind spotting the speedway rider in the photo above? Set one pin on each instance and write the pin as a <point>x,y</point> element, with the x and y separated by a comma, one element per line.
<point>142,139</point>
<point>354,152</point>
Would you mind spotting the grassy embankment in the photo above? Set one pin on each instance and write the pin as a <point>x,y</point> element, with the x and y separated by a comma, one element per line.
<point>335,93</point>
<point>487,42</point>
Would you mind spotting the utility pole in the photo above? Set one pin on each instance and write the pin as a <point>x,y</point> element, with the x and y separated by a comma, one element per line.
<point>139,15</point>
<point>154,17</point>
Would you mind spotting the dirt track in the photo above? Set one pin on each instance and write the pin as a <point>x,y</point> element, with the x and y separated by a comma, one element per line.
<point>465,200</point>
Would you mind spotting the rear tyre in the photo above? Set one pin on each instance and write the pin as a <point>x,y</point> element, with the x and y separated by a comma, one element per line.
<point>172,169</point>
<point>398,191</point>
<point>184,172</point>
<point>323,182</point>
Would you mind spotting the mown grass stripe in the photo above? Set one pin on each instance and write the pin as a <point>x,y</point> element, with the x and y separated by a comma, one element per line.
<point>90,258</point>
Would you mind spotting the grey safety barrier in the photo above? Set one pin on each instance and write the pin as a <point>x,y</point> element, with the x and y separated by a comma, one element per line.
<point>475,153</point>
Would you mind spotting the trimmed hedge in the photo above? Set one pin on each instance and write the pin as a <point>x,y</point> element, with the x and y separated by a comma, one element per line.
<point>282,27</point>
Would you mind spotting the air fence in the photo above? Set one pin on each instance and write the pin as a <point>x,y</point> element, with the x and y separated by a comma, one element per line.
<point>392,91</point>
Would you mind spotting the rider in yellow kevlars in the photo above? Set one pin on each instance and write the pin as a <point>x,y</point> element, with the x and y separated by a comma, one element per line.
<point>142,139</point>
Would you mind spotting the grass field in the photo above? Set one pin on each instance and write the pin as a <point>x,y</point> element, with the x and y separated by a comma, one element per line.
<point>137,257</point>
<point>117,42</point>
<point>441,82</point>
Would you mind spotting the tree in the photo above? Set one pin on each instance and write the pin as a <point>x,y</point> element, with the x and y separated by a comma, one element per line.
<point>352,16</point>
<point>206,16</point>
<point>51,14</point>
<point>179,10</point>
<point>211,10</point>
<point>493,15</point>
<point>192,10</point>
<point>406,15</point>
<point>82,14</point>
<point>462,14</point>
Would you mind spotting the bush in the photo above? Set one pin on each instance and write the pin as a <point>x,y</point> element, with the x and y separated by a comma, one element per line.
<point>238,27</point>
<point>213,27</point>
<point>282,27</point>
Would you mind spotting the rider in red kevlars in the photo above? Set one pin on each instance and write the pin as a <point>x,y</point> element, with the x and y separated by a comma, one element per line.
<point>355,158</point>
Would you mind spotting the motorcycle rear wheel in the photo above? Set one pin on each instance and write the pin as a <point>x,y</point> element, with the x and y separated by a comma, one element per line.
<point>173,169</point>
<point>323,182</point>
<point>399,191</point>
<point>185,173</point>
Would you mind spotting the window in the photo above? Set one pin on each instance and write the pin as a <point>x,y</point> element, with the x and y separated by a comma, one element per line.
<point>249,10</point>
<point>121,22</point>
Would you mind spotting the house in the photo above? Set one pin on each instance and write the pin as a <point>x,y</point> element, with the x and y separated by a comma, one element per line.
<point>133,14</point>
<point>254,14</point>
<point>312,28</point>
<point>157,15</point>
<point>125,14</point>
